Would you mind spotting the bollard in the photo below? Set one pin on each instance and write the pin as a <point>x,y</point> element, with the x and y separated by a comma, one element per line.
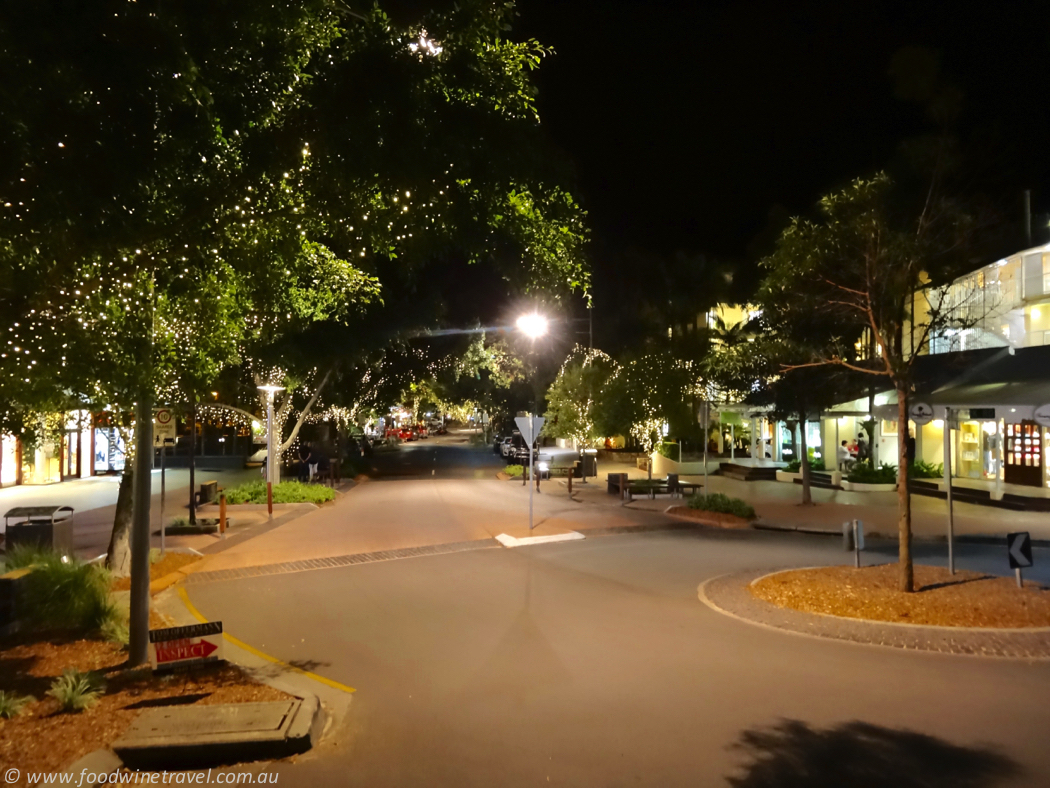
<point>570,482</point>
<point>847,536</point>
<point>222,514</point>
<point>622,491</point>
<point>269,498</point>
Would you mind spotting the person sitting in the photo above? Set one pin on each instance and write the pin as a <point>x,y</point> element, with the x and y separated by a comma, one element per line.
<point>844,456</point>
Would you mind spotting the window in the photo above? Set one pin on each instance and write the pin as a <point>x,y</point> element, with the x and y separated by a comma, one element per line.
<point>888,428</point>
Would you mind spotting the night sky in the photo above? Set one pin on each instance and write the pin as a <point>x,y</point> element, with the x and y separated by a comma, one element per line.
<point>689,122</point>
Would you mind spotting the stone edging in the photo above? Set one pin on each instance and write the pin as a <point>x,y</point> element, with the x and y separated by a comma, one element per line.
<point>729,594</point>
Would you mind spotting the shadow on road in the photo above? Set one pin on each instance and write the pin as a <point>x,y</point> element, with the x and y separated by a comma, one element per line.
<point>791,754</point>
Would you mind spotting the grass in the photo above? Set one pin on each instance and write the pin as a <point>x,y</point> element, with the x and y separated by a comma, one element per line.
<point>12,704</point>
<point>722,504</point>
<point>76,691</point>
<point>285,492</point>
<point>63,593</point>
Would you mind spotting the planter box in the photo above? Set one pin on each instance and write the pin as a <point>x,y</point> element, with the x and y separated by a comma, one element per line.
<point>858,487</point>
<point>787,476</point>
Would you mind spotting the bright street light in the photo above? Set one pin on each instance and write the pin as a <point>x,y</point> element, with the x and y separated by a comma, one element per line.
<point>533,326</point>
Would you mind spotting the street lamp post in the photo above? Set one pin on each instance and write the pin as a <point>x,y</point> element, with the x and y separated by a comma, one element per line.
<point>271,476</point>
<point>533,326</point>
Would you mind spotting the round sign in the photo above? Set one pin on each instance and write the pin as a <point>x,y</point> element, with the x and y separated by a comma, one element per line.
<point>921,413</point>
<point>163,416</point>
<point>1042,415</point>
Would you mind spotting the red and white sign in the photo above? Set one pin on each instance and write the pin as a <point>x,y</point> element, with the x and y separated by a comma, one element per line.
<point>179,647</point>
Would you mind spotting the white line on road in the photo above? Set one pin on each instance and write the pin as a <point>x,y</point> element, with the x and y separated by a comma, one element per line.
<point>509,541</point>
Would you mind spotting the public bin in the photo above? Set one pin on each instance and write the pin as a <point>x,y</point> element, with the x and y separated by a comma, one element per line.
<point>49,527</point>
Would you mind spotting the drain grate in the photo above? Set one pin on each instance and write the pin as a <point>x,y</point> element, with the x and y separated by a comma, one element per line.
<point>291,567</point>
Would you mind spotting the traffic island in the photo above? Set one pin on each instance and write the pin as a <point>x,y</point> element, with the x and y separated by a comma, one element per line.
<point>967,614</point>
<point>711,519</point>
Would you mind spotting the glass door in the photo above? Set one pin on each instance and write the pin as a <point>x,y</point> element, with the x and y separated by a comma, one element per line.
<point>1024,454</point>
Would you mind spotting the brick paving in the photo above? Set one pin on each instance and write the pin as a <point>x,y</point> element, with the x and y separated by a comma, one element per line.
<point>729,594</point>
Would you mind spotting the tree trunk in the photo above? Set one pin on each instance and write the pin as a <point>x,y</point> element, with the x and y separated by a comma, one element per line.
<point>193,458</point>
<point>907,577</point>
<point>807,495</point>
<point>138,625</point>
<point>118,559</point>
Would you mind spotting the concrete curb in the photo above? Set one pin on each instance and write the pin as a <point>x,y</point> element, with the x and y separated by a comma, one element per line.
<point>193,749</point>
<point>100,764</point>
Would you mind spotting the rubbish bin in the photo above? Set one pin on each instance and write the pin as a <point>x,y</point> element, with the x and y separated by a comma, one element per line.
<point>589,461</point>
<point>49,527</point>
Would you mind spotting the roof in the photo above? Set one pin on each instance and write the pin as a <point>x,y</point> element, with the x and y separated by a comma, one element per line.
<point>1019,381</point>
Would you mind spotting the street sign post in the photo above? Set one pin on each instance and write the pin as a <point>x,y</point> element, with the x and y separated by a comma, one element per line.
<point>181,647</point>
<point>947,483</point>
<point>163,427</point>
<point>1019,551</point>
<point>529,427</point>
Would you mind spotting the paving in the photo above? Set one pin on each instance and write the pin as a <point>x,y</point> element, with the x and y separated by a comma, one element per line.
<point>730,594</point>
<point>593,662</point>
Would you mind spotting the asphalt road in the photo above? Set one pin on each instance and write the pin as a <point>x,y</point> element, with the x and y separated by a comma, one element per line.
<point>593,663</point>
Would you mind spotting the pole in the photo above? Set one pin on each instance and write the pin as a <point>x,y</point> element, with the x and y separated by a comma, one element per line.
<point>138,624</point>
<point>948,487</point>
<point>532,471</point>
<point>1020,580</point>
<point>707,433</point>
<point>222,514</point>
<point>163,527</point>
<point>269,454</point>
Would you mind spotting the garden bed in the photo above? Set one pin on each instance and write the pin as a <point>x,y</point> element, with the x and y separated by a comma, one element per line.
<point>283,492</point>
<point>965,599</point>
<point>43,738</point>
<point>714,519</point>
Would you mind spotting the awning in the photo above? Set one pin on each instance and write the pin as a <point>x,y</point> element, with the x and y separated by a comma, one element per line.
<point>1012,401</point>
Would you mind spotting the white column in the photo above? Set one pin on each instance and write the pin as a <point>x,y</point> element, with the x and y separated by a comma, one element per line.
<point>778,446</point>
<point>754,437</point>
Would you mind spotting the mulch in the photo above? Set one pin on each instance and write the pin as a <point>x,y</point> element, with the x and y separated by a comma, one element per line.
<point>965,599</point>
<point>170,562</point>
<point>42,738</point>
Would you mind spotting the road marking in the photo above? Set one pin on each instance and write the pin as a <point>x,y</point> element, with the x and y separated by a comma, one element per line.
<point>261,654</point>
<point>510,541</point>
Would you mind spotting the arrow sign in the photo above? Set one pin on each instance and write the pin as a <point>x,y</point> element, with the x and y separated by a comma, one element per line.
<point>179,647</point>
<point>529,427</point>
<point>1019,547</point>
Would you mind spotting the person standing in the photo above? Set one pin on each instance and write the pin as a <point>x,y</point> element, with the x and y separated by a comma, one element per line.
<point>863,453</point>
<point>305,458</point>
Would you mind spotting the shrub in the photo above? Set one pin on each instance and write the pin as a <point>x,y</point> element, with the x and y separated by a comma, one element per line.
<point>863,473</point>
<point>514,470</point>
<point>926,470</point>
<point>723,504</point>
<point>64,593</point>
<point>668,450</point>
<point>11,705</point>
<point>76,691</point>
<point>284,492</point>
<point>796,465</point>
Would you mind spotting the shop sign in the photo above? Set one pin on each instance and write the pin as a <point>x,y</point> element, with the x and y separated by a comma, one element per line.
<point>1042,415</point>
<point>921,413</point>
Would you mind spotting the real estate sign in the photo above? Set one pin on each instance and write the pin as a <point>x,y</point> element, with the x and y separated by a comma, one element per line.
<point>180,647</point>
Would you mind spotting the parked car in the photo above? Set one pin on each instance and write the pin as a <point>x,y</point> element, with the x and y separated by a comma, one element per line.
<point>406,434</point>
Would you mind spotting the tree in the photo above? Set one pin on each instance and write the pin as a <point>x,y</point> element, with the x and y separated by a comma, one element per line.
<point>160,167</point>
<point>857,268</point>
<point>572,397</point>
